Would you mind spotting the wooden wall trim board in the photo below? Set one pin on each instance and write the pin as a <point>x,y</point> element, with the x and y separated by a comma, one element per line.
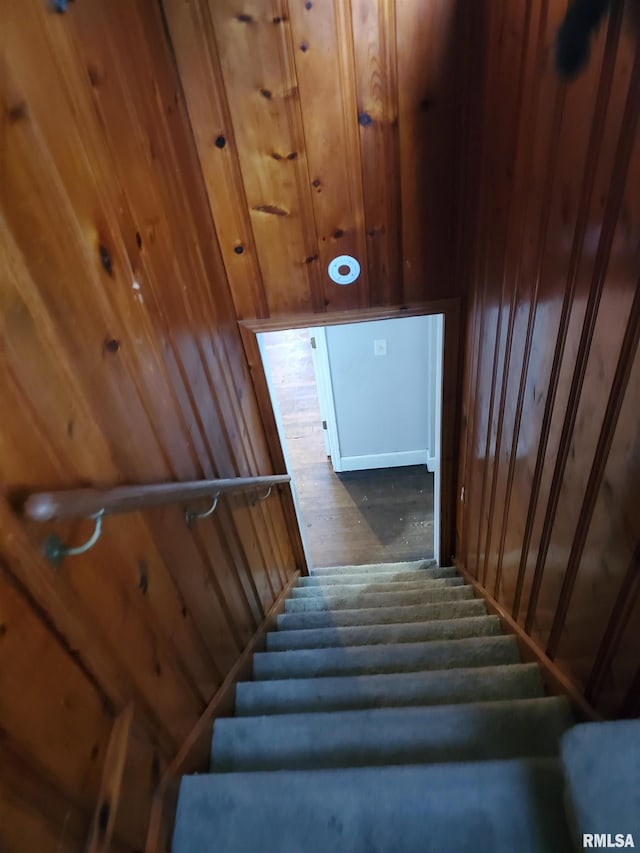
<point>555,680</point>
<point>193,755</point>
<point>104,819</point>
<point>334,318</point>
<point>450,309</point>
<point>163,816</point>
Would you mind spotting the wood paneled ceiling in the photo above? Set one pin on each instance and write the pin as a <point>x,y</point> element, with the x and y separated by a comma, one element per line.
<point>326,128</point>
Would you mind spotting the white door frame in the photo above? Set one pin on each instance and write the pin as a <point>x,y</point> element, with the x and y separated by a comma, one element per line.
<point>320,355</point>
<point>438,354</point>
<point>451,310</point>
<point>321,365</point>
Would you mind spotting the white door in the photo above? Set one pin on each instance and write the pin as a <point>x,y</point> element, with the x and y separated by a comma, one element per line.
<point>317,340</point>
<point>437,342</point>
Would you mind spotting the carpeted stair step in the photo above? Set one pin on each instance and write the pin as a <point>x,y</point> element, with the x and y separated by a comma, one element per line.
<point>371,660</point>
<point>372,568</point>
<point>382,615</point>
<point>378,577</point>
<point>302,695</point>
<point>392,586</point>
<point>386,736</point>
<point>368,635</point>
<point>367,599</point>
<point>601,764</point>
<point>481,807</point>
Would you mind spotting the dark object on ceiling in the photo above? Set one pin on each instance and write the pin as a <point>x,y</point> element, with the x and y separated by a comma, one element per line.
<point>573,43</point>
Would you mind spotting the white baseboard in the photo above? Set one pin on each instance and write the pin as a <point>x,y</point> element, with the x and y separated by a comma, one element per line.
<point>384,460</point>
<point>432,461</point>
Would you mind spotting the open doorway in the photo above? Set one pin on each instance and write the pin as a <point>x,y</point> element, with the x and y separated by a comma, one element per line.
<point>358,411</point>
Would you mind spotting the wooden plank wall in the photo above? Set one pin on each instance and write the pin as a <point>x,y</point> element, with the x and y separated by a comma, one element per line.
<point>550,516</point>
<point>120,362</point>
<point>327,128</point>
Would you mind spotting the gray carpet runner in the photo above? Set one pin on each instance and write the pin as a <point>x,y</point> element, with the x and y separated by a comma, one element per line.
<point>388,713</point>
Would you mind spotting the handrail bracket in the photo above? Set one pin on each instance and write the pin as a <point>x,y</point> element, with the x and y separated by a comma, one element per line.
<point>55,550</point>
<point>262,497</point>
<point>192,516</point>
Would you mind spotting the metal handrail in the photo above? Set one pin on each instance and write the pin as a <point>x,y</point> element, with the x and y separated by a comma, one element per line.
<point>96,503</point>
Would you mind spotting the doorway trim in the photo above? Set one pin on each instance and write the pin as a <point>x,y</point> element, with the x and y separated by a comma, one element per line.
<point>450,309</point>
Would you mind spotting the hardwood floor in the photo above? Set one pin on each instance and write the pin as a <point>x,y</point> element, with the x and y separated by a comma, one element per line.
<point>381,515</point>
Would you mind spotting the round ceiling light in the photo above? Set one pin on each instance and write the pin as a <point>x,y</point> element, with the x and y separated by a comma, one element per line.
<point>344,269</point>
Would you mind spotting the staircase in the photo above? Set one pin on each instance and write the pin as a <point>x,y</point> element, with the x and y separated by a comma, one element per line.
<point>388,713</point>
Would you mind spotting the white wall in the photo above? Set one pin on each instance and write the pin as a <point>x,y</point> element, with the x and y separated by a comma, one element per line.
<point>384,405</point>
